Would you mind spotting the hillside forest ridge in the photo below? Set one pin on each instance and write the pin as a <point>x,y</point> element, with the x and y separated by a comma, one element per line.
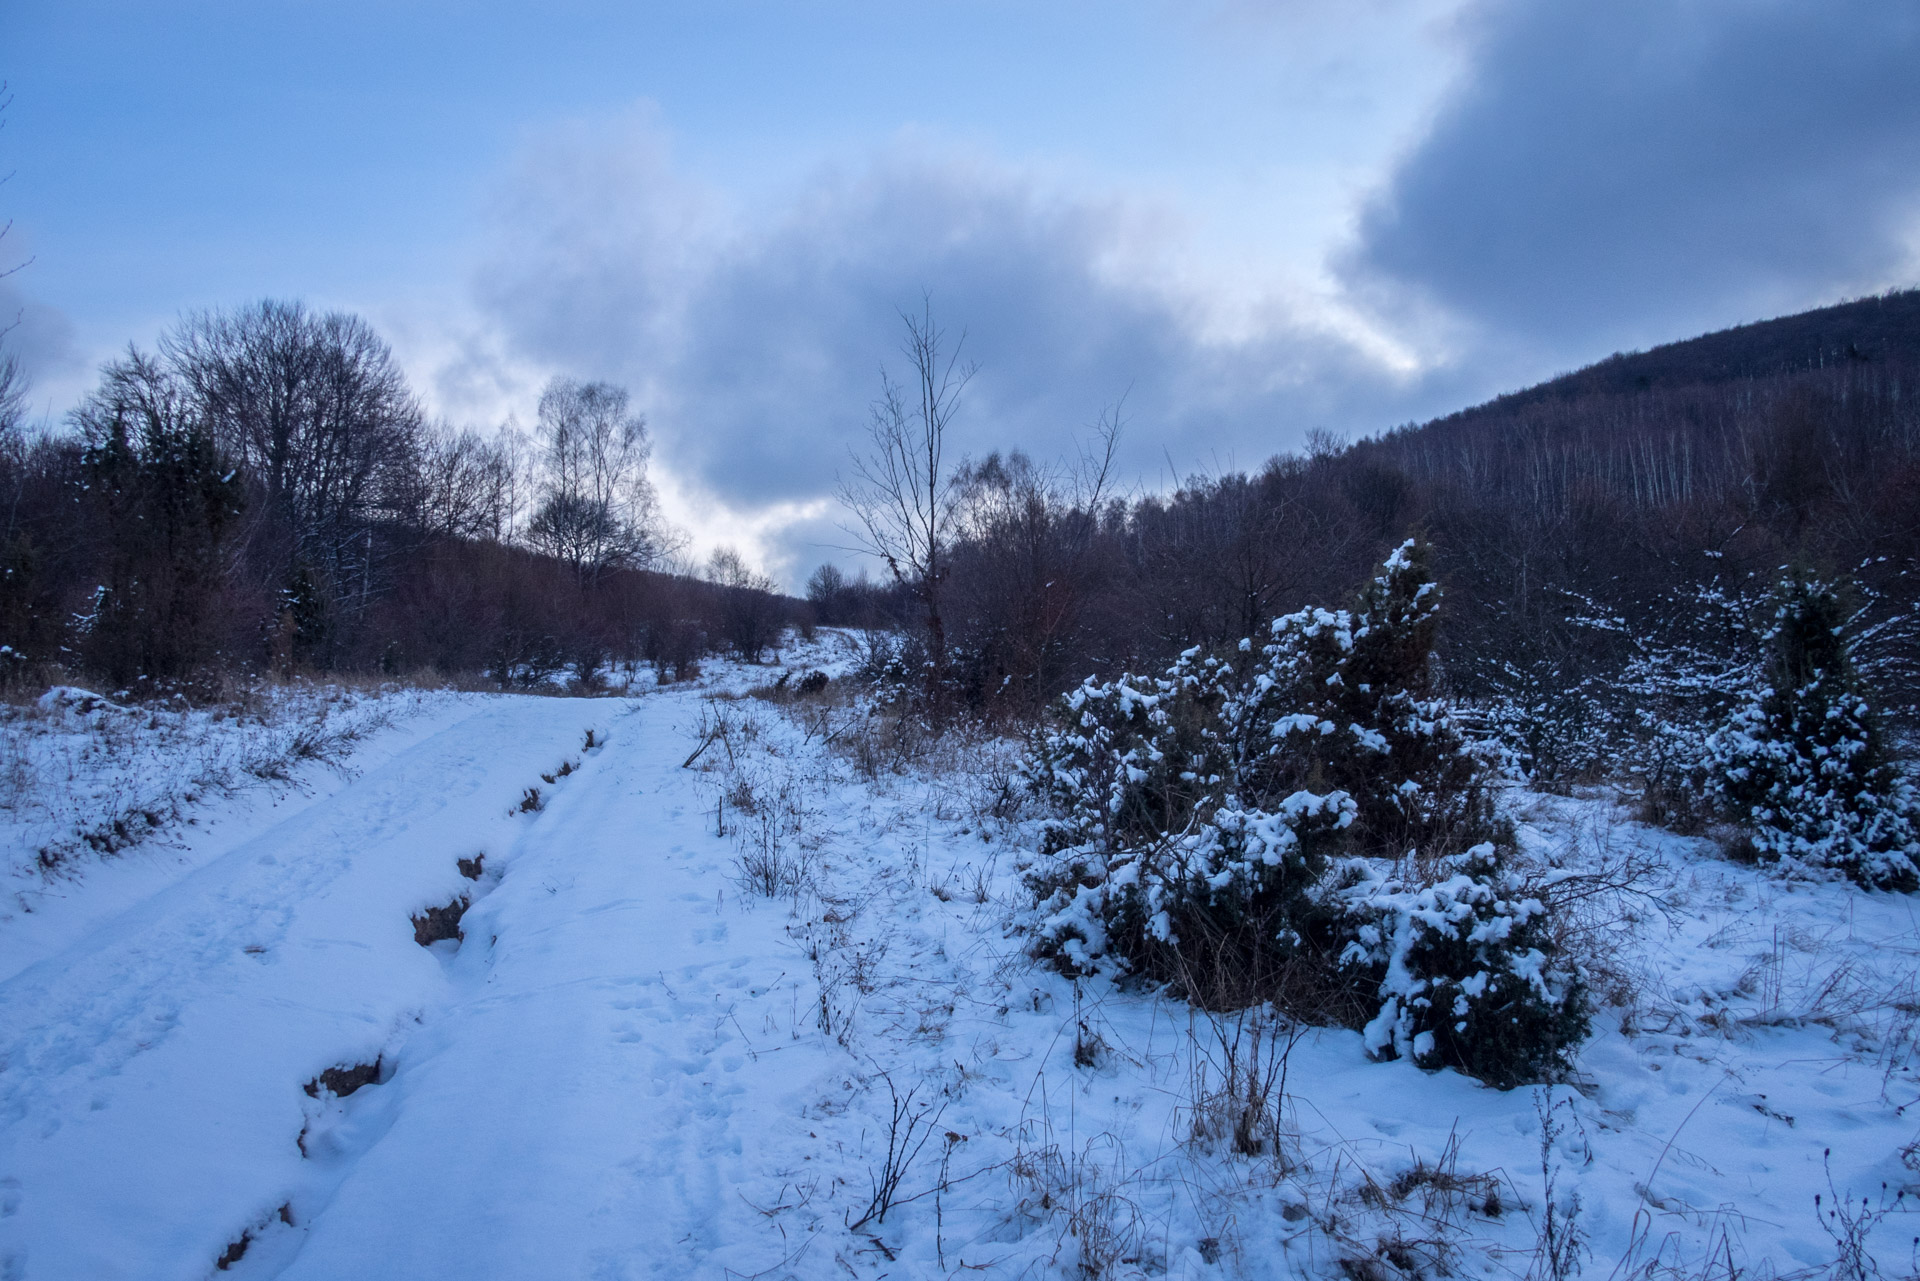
<point>263,491</point>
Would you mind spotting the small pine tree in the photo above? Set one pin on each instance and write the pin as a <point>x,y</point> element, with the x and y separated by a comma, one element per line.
<point>1801,762</point>
<point>1469,975</point>
<point>1345,701</point>
<point>1161,853</point>
<point>1306,827</point>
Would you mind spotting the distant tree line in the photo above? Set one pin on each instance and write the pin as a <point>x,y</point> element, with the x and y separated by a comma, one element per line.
<point>1592,538</point>
<point>264,490</point>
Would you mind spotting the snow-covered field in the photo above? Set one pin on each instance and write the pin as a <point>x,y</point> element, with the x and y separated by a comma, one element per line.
<point>82,773</point>
<point>638,1063</point>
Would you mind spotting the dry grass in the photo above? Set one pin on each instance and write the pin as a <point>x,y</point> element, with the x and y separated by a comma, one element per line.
<point>82,774</point>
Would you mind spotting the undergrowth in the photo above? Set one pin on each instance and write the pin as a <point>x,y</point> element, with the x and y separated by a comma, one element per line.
<point>85,775</point>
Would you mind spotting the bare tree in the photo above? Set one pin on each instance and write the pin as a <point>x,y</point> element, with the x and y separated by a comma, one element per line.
<point>729,568</point>
<point>317,411</point>
<point>13,397</point>
<point>467,484</point>
<point>13,379</point>
<point>519,475</point>
<point>6,100</point>
<point>597,510</point>
<point>900,493</point>
<point>1024,560</point>
<point>750,615</point>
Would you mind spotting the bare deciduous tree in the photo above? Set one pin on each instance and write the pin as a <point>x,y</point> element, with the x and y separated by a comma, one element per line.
<point>1025,560</point>
<point>467,483</point>
<point>597,510</point>
<point>900,492</point>
<point>750,614</point>
<point>13,397</point>
<point>318,413</point>
<point>6,100</point>
<point>13,379</point>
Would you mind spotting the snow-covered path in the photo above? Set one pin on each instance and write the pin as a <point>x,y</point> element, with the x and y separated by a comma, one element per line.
<point>545,1085</point>
<point>632,1067</point>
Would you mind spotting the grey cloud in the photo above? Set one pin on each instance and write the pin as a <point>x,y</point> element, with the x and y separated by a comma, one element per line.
<point>42,339</point>
<point>757,342</point>
<point>1627,171</point>
<point>1607,174</point>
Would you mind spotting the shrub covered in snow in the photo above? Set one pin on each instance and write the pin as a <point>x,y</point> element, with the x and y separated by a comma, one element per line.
<point>1344,701</point>
<point>1165,849</point>
<point>1556,727</point>
<point>1630,697</point>
<point>1466,969</point>
<point>1251,829</point>
<point>1801,763</point>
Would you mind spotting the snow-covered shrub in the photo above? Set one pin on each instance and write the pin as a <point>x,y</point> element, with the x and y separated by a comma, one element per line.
<point>1692,661</point>
<point>1467,971</point>
<point>1163,848</point>
<point>1556,727</point>
<point>1344,702</point>
<point>1800,762</point>
<point>1633,693</point>
<point>85,774</point>
<point>1196,816</point>
<point>894,666</point>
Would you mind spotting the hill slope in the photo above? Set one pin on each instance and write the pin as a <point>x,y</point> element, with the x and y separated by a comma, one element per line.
<point>1881,330</point>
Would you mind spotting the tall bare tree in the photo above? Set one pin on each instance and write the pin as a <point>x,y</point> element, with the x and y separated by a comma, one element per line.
<point>750,615</point>
<point>597,510</point>
<point>467,483</point>
<point>317,411</point>
<point>13,378</point>
<point>1025,561</point>
<point>9,367</point>
<point>900,491</point>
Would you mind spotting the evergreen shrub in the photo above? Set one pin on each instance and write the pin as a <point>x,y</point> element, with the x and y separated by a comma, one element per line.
<point>1801,763</point>
<point>1305,825</point>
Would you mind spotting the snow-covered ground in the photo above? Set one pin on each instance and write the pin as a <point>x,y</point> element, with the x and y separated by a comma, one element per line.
<point>635,1063</point>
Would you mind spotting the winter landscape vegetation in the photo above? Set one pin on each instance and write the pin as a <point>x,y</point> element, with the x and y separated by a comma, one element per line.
<point>1483,846</point>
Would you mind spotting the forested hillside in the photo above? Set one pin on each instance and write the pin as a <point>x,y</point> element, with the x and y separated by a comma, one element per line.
<point>264,492</point>
<point>1606,541</point>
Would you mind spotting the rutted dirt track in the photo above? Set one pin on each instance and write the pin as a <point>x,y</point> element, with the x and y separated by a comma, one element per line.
<point>262,1070</point>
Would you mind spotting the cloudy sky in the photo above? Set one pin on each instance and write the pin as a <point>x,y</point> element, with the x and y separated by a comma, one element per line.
<point>1245,219</point>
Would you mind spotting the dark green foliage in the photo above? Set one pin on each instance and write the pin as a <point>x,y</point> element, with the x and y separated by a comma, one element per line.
<point>23,619</point>
<point>1802,763</point>
<point>307,616</point>
<point>1468,972</point>
<point>1347,705</point>
<point>166,500</point>
<point>1307,828</point>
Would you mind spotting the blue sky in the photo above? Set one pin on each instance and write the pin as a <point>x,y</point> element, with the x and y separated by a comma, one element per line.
<point>1249,219</point>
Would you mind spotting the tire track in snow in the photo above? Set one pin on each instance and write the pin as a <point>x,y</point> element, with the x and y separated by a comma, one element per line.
<point>149,1073</point>
<point>578,1099</point>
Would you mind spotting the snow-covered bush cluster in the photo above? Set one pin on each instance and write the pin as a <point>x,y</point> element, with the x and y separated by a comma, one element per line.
<point>1800,762</point>
<point>1306,825</point>
<point>1464,962</point>
<point>1640,698</point>
<point>1742,705</point>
